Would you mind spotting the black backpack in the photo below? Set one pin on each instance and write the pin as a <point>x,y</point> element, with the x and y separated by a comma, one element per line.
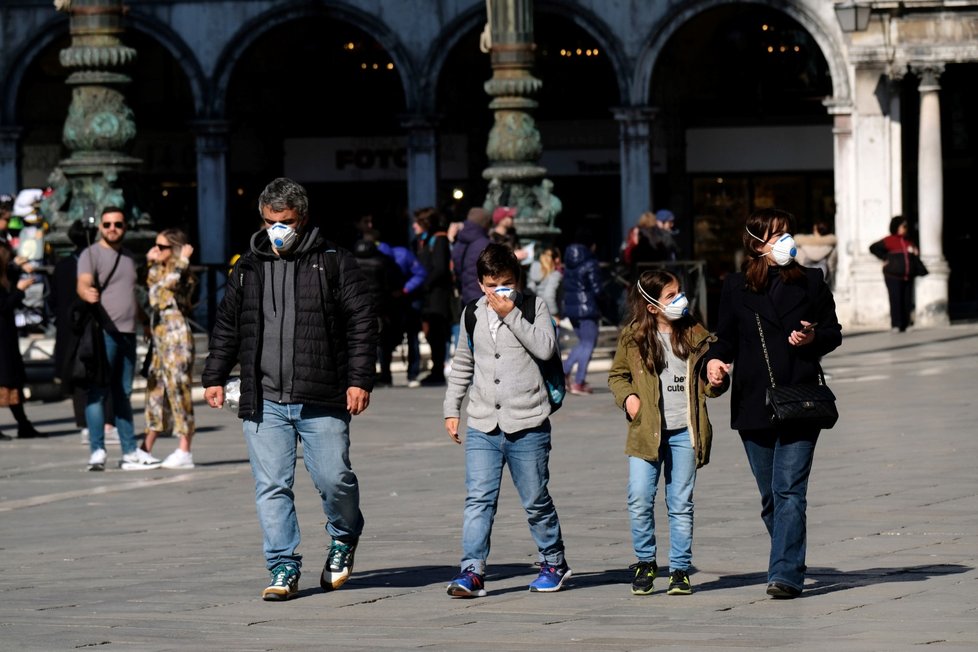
<point>552,369</point>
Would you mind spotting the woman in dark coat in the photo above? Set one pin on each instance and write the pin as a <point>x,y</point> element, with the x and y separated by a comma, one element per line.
<point>434,253</point>
<point>896,250</point>
<point>12,374</point>
<point>582,285</point>
<point>777,294</point>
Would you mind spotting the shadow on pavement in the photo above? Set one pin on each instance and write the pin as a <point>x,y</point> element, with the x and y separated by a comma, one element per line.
<point>822,581</point>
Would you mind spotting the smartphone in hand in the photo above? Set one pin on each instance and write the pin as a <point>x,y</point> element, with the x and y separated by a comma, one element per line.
<point>808,329</point>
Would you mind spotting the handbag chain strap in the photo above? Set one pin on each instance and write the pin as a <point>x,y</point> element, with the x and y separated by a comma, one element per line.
<point>767,360</point>
<point>760,331</point>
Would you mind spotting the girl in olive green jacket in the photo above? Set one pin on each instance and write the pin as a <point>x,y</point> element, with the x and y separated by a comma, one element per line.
<point>655,379</point>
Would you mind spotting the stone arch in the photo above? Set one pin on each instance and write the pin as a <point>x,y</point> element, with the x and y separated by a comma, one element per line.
<point>831,48</point>
<point>22,60</point>
<point>255,28</point>
<point>179,50</point>
<point>451,34</point>
<point>597,28</point>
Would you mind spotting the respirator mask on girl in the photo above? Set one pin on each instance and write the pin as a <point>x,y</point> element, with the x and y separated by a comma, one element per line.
<point>282,236</point>
<point>675,309</point>
<point>783,251</point>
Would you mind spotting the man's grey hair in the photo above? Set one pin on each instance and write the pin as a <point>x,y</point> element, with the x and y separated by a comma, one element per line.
<point>283,194</point>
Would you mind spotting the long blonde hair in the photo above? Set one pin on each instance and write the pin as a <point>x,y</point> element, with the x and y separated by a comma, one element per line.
<point>184,294</point>
<point>549,261</point>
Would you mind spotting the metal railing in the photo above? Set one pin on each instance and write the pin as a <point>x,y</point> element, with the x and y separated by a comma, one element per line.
<point>691,275</point>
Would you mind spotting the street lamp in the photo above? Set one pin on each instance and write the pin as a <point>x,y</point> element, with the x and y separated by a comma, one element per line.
<point>852,16</point>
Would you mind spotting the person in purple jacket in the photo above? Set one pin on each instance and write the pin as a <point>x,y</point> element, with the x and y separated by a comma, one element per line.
<point>471,240</point>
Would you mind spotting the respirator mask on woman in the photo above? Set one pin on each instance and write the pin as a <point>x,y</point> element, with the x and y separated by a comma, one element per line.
<point>783,251</point>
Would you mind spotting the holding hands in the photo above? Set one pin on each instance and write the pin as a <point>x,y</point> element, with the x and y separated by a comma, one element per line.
<point>717,371</point>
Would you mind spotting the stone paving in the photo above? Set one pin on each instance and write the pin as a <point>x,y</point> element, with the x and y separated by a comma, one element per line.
<point>167,560</point>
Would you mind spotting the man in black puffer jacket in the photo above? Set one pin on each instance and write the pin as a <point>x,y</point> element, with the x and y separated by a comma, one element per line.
<point>296,315</point>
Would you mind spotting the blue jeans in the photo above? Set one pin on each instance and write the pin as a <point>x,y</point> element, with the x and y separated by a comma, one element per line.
<point>587,337</point>
<point>272,442</point>
<point>528,454</point>
<point>120,351</point>
<point>781,463</point>
<point>678,459</point>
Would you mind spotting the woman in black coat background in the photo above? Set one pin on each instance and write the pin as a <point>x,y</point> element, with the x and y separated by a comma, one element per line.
<point>12,373</point>
<point>786,297</point>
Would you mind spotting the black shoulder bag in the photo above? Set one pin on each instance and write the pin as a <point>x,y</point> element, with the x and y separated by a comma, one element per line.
<point>811,406</point>
<point>88,363</point>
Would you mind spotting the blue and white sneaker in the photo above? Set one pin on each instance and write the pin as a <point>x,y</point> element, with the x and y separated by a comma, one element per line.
<point>468,584</point>
<point>551,578</point>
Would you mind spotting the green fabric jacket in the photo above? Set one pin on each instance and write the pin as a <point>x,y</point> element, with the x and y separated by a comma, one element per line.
<point>629,376</point>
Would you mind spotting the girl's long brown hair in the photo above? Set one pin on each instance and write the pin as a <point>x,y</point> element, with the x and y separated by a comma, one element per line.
<point>646,327</point>
<point>764,223</point>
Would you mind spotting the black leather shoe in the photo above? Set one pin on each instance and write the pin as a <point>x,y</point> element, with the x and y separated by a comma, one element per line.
<point>28,432</point>
<point>781,591</point>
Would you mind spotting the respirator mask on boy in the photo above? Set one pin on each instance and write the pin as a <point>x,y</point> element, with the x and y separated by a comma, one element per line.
<point>783,251</point>
<point>675,309</point>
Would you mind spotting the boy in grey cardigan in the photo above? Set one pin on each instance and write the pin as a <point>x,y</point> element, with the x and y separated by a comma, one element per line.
<point>508,423</point>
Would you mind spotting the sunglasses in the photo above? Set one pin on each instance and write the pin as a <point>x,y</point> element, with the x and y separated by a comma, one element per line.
<point>163,247</point>
<point>113,225</point>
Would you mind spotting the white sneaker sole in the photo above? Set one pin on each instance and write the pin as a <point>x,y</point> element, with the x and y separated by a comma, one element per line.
<point>178,466</point>
<point>137,466</point>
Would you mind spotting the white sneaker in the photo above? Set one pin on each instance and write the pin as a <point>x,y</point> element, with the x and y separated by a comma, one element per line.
<point>413,384</point>
<point>84,435</point>
<point>179,459</point>
<point>139,460</point>
<point>97,460</point>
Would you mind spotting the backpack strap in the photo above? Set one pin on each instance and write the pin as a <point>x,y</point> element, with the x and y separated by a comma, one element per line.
<point>330,288</point>
<point>529,307</point>
<point>469,312</point>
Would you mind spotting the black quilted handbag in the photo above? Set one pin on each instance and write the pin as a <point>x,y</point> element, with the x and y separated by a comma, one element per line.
<point>811,406</point>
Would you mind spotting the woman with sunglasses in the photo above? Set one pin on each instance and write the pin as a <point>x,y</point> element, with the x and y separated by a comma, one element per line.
<point>168,384</point>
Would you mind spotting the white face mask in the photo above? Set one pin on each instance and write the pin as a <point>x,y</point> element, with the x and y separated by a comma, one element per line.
<point>678,307</point>
<point>783,251</point>
<point>282,236</point>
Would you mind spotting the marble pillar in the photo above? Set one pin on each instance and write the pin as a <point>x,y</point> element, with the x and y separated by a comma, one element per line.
<point>9,141</point>
<point>422,162</point>
<point>931,290</point>
<point>635,136</point>
<point>212,210</point>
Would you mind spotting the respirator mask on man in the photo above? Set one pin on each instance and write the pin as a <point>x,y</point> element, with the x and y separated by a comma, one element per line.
<point>678,307</point>
<point>282,236</point>
<point>783,251</point>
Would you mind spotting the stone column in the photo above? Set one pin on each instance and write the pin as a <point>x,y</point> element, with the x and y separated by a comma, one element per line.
<point>212,210</point>
<point>931,290</point>
<point>845,211</point>
<point>100,126</point>
<point>9,140</point>
<point>514,146</point>
<point>635,136</point>
<point>422,161</point>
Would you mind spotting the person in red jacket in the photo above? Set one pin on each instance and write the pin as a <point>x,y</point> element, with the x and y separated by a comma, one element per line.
<point>897,250</point>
